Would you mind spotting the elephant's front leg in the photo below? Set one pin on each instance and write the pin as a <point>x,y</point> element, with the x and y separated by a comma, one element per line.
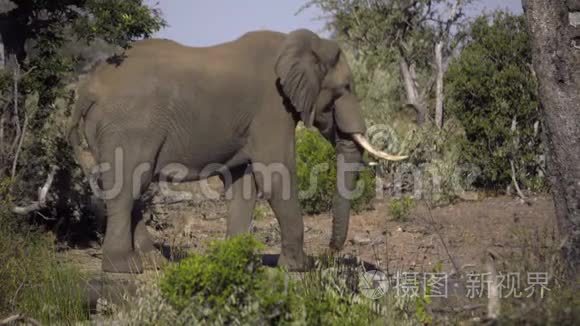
<point>280,189</point>
<point>241,190</point>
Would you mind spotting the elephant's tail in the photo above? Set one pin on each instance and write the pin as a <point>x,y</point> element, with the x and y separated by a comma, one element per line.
<point>75,136</point>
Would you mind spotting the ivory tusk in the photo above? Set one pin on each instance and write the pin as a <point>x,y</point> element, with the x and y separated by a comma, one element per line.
<point>361,140</point>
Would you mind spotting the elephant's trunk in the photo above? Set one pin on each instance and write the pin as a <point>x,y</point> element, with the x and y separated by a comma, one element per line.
<point>350,146</point>
<point>349,163</point>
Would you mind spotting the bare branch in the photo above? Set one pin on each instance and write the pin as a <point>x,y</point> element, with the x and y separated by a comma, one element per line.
<point>433,225</point>
<point>19,148</point>
<point>515,181</point>
<point>493,305</point>
<point>439,90</point>
<point>513,130</point>
<point>2,141</point>
<point>458,309</point>
<point>42,194</point>
<point>19,318</point>
<point>16,79</point>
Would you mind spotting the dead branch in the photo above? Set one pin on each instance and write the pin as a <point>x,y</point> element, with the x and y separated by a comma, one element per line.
<point>514,129</point>
<point>42,193</point>
<point>458,309</point>
<point>439,92</point>
<point>19,147</point>
<point>2,141</point>
<point>16,79</point>
<point>410,83</point>
<point>19,318</point>
<point>493,305</point>
<point>515,181</point>
<point>440,236</point>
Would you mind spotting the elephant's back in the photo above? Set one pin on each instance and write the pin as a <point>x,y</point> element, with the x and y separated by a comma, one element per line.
<point>148,66</point>
<point>157,74</point>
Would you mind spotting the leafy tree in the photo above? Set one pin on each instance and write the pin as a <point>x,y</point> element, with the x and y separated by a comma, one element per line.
<point>492,91</point>
<point>43,44</point>
<point>416,35</point>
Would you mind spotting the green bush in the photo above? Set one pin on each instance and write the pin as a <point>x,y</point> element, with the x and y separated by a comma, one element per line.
<point>400,208</point>
<point>433,169</point>
<point>229,285</point>
<point>491,89</point>
<point>316,162</point>
<point>226,284</point>
<point>378,86</point>
<point>225,273</point>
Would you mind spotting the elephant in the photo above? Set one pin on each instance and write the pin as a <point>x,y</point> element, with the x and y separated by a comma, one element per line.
<point>230,107</point>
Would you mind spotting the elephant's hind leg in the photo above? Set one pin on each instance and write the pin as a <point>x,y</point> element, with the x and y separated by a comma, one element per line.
<point>242,189</point>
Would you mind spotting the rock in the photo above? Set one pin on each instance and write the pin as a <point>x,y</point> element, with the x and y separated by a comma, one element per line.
<point>469,196</point>
<point>360,240</point>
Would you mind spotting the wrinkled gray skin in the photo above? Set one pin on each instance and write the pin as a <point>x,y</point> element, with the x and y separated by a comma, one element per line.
<point>233,104</point>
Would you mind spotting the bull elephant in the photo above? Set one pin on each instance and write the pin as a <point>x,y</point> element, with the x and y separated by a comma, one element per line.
<point>229,107</point>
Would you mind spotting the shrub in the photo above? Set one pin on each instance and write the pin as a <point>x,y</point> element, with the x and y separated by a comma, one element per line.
<point>229,285</point>
<point>316,169</point>
<point>433,170</point>
<point>225,273</point>
<point>400,208</point>
<point>492,91</point>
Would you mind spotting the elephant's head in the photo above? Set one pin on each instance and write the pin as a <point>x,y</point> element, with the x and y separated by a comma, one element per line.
<point>316,79</point>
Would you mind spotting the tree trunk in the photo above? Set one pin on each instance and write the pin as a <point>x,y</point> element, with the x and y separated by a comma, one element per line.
<point>439,85</point>
<point>2,58</point>
<point>413,98</point>
<point>14,28</point>
<point>556,58</point>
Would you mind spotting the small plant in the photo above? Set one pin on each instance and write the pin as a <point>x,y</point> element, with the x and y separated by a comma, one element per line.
<point>261,211</point>
<point>329,296</point>
<point>560,304</point>
<point>316,170</point>
<point>400,208</point>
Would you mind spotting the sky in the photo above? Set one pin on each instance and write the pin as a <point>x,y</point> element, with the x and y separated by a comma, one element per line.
<point>208,22</point>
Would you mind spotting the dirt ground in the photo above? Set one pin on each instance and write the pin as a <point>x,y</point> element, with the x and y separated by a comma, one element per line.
<point>462,232</point>
<point>452,237</point>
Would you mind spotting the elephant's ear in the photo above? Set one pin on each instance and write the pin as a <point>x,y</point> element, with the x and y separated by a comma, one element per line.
<point>302,63</point>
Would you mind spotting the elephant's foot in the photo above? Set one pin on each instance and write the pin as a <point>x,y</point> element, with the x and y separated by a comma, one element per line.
<point>150,255</point>
<point>144,244</point>
<point>153,260</point>
<point>296,262</point>
<point>121,262</point>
